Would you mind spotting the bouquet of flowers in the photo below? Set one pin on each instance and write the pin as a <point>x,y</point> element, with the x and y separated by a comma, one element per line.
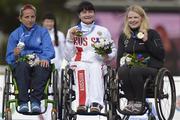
<point>134,60</point>
<point>102,46</point>
<point>31,59</point>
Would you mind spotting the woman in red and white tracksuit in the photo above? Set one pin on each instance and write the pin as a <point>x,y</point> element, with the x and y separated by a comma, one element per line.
<point>87,63</point>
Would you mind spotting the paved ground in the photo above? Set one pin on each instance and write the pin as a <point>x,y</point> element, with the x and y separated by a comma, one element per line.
<point>2,69</point>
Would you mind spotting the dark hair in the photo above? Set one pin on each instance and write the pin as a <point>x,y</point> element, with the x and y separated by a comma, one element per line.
<point>85,5</point>
<point>26,6</point>
<point>52,17</point>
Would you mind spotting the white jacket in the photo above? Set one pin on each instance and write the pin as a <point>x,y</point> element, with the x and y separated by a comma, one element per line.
<point>80,49</point>
<point>59,50</point>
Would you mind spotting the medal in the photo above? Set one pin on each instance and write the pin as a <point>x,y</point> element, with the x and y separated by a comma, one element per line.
<point>126,42</point>
<point>140,35</point>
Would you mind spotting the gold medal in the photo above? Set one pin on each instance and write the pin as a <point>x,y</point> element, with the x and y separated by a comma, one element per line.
<point>140,35</point>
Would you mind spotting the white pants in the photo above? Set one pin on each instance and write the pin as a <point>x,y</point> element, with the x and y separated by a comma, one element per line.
<point>89,83</point>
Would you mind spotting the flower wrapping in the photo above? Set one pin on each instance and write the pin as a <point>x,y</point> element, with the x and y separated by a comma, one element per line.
<point>102,46</point>
<point>21,45</point>
<point>134,60</point>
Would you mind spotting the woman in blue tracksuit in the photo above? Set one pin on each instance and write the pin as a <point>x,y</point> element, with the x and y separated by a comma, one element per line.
<point>29,52</point>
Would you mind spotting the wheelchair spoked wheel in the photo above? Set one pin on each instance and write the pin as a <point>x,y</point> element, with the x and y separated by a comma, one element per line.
<point>126,117</point>
<point>54,112</point>
<point>60,88</point>
<point>112,114</point>
<point>165,95</point>
<point>112,87</point>
<point>6,111</point>
<point>66,100</point>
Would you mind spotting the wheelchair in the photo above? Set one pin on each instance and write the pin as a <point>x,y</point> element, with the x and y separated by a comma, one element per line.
<point>161,89</point>
<point>68,95</point>
<point>10,95</point>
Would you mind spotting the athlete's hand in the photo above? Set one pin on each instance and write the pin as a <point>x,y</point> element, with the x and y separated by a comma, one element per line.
<point>106,58</point>
<point>73,33</point>
<point>17,51</point>
<point>145,38</point>
<point>44,63</point>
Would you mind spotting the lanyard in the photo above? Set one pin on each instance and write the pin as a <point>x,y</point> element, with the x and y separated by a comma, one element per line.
<point>88,31</point>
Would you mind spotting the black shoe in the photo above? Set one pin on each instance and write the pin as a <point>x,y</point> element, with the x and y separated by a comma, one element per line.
<point>95,108</point>
<point>137,107</point>
<point>23,108</point>
<point>35,107</point>
<point>128,108</point>
<point>81,109</point>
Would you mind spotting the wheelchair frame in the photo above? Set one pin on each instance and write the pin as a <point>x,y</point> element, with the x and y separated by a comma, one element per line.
<point>11,89</point>
<point>68,95</point>
<point>154,90</point>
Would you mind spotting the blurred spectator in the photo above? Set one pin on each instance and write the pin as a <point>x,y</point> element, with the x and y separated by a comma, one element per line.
<point>58,40</point>
<point>170,50</point>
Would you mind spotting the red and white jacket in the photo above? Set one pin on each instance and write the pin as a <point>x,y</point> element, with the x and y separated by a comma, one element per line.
<point>80,48</point>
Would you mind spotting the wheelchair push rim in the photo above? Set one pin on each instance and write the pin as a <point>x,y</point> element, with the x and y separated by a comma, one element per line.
<point>67,95</point>
<point>6,111</point>
<point>165,95</point>
<point>54,112</point>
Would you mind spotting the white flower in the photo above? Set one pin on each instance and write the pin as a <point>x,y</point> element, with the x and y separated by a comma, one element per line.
<point>31,56</point>
<point>33,59</point>
<point>21,45</point>
<point>102,40</point>
<point>128,60</point>
<point>106,42</point>
<point>97,45</point>
<point>125,60</point>
<point>102,46</point>
<point>100,43</point>
<point>122,61</point>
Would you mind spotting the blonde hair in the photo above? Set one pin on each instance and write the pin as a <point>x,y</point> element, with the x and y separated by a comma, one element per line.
<point>144,24</point>
<point>24,7</point>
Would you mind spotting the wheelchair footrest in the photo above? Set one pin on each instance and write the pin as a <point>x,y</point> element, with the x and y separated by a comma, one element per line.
<point>91,114</point>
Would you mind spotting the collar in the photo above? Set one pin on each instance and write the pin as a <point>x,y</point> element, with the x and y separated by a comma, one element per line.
<point>86,28</point>
<point>51,31</point>
<point>27,29</point>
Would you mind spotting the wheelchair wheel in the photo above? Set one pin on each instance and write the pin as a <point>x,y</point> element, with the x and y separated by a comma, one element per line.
<point>54,113</point>
<point>165,95</point>
<point>6,111</point>
<point>151,117</point>
<point>67,95</point>
<point>8,115</point>
<point>111,88</point>
<point>61,94</point>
